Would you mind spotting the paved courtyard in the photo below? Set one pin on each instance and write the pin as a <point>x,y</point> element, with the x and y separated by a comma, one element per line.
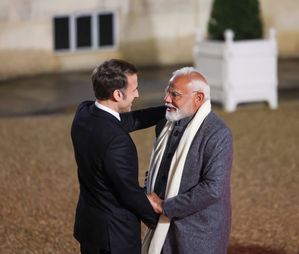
<point>38,182</point>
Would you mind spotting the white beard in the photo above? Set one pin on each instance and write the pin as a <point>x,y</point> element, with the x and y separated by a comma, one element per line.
<point>179,113</point>
<point>176,115</point>
<point>173,116</point>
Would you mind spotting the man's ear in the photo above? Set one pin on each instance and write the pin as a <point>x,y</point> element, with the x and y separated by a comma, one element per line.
<point>199,97</point>
<point>117,95</point>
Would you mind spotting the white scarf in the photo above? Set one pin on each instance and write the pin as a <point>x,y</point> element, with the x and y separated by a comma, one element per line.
<point>154,239</point>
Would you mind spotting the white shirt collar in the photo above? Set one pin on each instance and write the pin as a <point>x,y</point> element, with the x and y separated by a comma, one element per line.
<point>109,110</point>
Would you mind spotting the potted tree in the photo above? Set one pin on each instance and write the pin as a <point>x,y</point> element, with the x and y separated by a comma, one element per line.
<point>239,64</point>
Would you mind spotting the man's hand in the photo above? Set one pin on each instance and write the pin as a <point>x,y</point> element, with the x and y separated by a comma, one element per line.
<point>156,202</point>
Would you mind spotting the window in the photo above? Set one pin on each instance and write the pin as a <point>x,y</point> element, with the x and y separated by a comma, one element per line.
<point>62,39</point>
<point>83,27</point>
<point>105,26</point>
<point>84,31</point>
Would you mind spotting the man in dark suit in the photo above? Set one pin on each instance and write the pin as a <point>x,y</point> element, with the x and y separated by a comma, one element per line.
<point>111,202</point>
<point>190,169</point>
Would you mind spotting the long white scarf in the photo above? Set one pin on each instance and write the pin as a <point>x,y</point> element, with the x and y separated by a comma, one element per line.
<point>154,239</point>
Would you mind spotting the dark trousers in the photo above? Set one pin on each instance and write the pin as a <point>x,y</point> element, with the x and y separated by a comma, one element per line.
<point>87,249</point>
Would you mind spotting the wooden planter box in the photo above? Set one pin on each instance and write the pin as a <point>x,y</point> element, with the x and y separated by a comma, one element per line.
<point>239,71</point>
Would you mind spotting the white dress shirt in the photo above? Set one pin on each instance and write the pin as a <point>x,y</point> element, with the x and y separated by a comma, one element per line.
<point>109,110</point>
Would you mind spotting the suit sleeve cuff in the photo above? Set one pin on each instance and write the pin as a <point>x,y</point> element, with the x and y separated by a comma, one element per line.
<point>163,209</point>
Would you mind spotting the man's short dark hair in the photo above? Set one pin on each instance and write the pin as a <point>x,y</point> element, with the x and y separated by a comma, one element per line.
<point>111,75</point>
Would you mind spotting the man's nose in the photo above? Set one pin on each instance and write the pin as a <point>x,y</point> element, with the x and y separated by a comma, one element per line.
<point>167,98</point>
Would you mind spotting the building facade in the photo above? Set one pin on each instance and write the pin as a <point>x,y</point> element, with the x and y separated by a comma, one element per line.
<point>66,35</point>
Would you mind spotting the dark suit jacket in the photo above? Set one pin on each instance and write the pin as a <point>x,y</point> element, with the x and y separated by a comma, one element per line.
<point>111,202</point>
<point>200,215</point>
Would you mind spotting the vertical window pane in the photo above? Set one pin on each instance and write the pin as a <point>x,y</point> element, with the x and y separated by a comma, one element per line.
<point>83,25</point>
<point>61,33</point>
<point>106,30</point>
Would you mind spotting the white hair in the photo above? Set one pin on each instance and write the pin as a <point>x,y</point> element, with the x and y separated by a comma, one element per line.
<point>196,83</point>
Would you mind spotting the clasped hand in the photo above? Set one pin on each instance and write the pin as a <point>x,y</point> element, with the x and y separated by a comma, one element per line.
<point>156,202</point>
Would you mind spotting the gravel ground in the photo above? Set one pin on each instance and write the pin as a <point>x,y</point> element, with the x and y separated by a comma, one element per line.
<point>39,189</point>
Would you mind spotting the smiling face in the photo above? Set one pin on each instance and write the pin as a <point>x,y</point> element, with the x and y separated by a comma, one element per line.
<point>181,100</point>
<point>129,94</point>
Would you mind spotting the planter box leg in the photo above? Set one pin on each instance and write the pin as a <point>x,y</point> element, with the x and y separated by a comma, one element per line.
<point>229,105</point>
<point>273,102</point>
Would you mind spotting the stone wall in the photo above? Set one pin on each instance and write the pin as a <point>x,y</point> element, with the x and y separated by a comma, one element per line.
<point>283,16</point>
<point>150,32</point>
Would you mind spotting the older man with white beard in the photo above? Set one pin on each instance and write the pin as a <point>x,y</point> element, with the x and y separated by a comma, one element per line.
<point>190,170</point>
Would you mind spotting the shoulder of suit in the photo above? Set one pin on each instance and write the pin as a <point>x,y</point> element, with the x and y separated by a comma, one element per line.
<point>214,120</point>
<point>84,104</point>
<point>108,130</point>
<point>213,124</point>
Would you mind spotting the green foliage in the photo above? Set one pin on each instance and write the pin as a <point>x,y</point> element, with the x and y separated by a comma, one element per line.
<point>241,16</point>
